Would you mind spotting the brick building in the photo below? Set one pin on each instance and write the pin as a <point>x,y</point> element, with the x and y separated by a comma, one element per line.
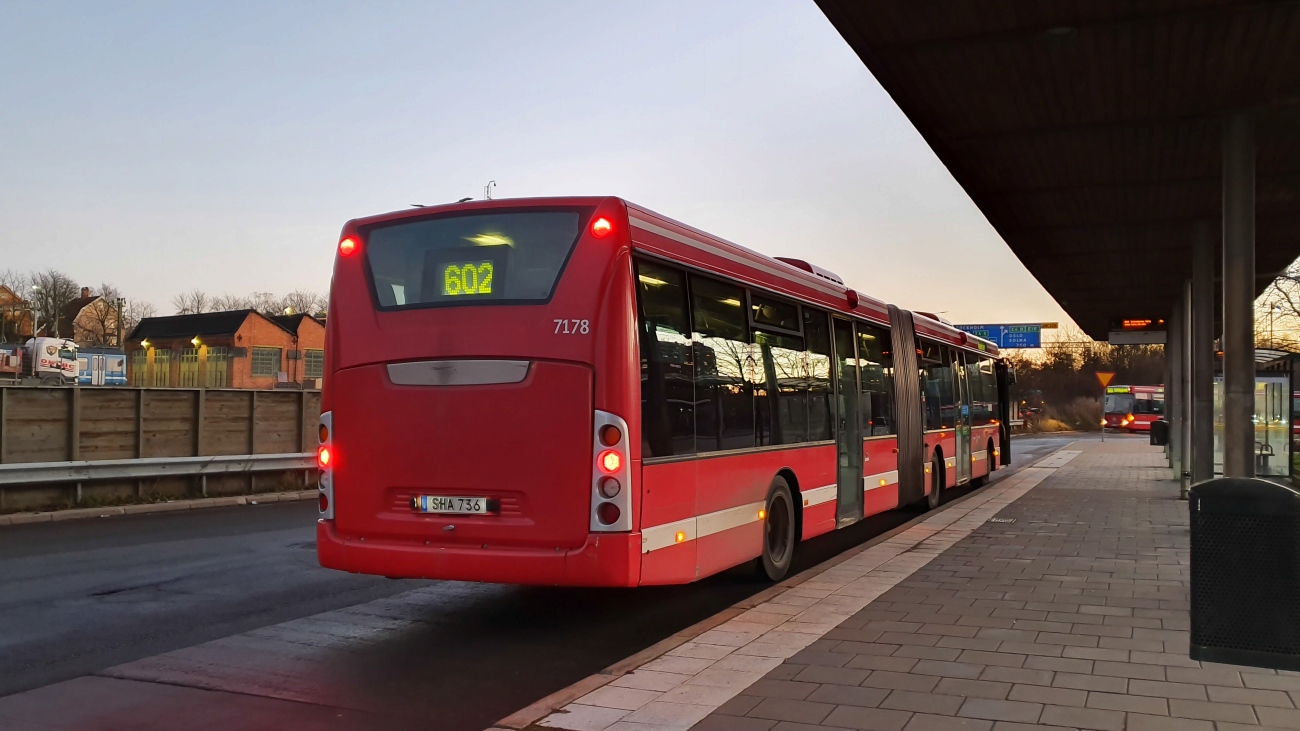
<point>15,316</point>
<point>236,349</point>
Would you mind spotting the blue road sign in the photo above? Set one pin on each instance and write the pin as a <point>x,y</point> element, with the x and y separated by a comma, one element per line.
<point>1008,336</point>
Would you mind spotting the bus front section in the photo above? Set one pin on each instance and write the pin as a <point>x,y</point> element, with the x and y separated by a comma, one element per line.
<point>480,380</point>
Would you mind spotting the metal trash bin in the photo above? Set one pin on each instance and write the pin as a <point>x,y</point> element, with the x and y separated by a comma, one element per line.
<point>1245,573</point>
<point>1159,433</point>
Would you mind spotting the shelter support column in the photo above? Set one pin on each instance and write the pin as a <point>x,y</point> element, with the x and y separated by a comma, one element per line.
<point>1238,296</point>
<point>1199,450</point>
<point>1185,386</point>
<point>1173,389</point>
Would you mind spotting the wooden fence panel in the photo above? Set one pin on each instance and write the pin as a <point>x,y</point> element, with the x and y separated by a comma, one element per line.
<point>169,423</point>
<point>276,421</point>
<point>225,422</point>
<point>36,425</point>
<point>108,424</point>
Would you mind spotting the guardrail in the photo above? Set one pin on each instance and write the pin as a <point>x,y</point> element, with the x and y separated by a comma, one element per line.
<point>43,473</point>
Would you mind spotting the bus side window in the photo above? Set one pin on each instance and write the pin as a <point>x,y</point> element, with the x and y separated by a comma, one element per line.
<point>779,381</point>
<point>817,338</point>
<point>667,377</point>
<point>724,401</point>
<point>933,372</point>
<point>876,369</point>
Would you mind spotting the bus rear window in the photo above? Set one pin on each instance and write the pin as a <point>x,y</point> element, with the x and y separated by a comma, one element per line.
<point>513,256</point>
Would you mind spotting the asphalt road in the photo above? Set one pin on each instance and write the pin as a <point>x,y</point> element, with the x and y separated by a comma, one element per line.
<point>81,596</point>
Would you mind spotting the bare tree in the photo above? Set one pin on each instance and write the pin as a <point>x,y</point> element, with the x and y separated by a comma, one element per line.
<point>225,302</point>
<point>51,290</point>
<point>17,282</point>
<point>133,313</point>
<point>1277,312</point>
<point>193,302</point>
<point>265,303</point>
<point>304,302</point>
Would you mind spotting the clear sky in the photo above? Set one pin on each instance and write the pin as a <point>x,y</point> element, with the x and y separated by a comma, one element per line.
<point>165,146</point>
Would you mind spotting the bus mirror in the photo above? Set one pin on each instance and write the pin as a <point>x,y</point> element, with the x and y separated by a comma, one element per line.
<point>1011,374</point>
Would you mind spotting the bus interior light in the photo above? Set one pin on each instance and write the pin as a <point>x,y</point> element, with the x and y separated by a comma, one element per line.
<point>347,246</point>
<point>610,435</point>
<point>610,461</point>
<point>601,227</point>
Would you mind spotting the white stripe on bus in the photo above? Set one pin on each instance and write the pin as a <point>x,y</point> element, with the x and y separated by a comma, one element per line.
<point>876,481</point>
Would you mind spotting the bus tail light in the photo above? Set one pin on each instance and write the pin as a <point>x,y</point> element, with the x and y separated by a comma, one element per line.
<point>611,475</point>
<point>348,246</point>
<point>326,460</point>
<point>601,227</point>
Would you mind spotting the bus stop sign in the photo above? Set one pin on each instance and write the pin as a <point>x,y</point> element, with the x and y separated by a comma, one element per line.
<point>1105,377</point>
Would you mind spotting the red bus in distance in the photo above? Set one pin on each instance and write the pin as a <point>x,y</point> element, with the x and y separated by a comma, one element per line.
<point>579,391</point>
<point>1133,408</point>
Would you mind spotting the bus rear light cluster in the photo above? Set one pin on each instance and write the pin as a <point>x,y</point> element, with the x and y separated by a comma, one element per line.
<point>327,460</point>
<point>611,475</point>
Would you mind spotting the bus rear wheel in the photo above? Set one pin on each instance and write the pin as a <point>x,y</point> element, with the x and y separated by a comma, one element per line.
<point>989,465</point>
<point>778,532</point>
<point>935,498</point>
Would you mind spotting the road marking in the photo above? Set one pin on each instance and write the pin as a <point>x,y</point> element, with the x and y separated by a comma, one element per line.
<point>676,690</point>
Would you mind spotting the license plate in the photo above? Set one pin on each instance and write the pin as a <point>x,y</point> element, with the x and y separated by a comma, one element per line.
<point>454,505</point>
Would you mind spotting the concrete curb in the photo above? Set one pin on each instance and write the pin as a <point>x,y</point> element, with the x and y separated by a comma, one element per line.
<point>55,516</point>
<point>523,719</point>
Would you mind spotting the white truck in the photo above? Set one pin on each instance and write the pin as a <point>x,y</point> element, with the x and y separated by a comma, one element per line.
<point>50,361</point>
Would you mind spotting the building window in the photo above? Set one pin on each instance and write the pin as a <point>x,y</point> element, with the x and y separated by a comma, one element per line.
<point>139,364</point>
<point>162,368</point>
<point>190,368</point>
<point>313,363</point>
<point>266,361</point>
<point>218,360</point>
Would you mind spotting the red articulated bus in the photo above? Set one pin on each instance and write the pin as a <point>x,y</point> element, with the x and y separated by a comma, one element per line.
<point>578,391</point>
<point>1133,408</point>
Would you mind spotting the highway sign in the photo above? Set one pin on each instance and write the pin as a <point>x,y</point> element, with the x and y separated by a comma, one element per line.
<point>1105,377</point>
<point>1028,335</point>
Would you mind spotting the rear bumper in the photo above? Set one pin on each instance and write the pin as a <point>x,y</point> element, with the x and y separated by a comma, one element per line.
<point>606,559</point>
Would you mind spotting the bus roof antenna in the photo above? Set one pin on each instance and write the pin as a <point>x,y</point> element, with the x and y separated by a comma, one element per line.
<point>487,190</point>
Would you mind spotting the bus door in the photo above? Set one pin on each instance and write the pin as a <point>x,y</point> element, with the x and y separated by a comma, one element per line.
<point>97,370</point>
<point>848,432</point>
<point>963,417</point>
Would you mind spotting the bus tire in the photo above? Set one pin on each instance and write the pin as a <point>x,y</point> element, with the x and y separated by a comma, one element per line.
<point>935,498</point>
<point>983,480</point>
<point>779,537</point>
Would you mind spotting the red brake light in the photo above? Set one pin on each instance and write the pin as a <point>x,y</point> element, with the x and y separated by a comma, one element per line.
<point>323,457</point>
<point>347,246</point>
<point>601,227</point>
<point>610,461</point>
<point>324,503</point>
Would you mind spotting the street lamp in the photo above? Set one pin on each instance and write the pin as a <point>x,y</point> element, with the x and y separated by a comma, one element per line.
<point>195,341</point>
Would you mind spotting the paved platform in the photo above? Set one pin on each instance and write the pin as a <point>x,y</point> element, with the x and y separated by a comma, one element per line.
<point>1068,611</point>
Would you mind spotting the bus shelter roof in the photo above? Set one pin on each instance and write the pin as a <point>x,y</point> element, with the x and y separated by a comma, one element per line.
<point>1090,133</point>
